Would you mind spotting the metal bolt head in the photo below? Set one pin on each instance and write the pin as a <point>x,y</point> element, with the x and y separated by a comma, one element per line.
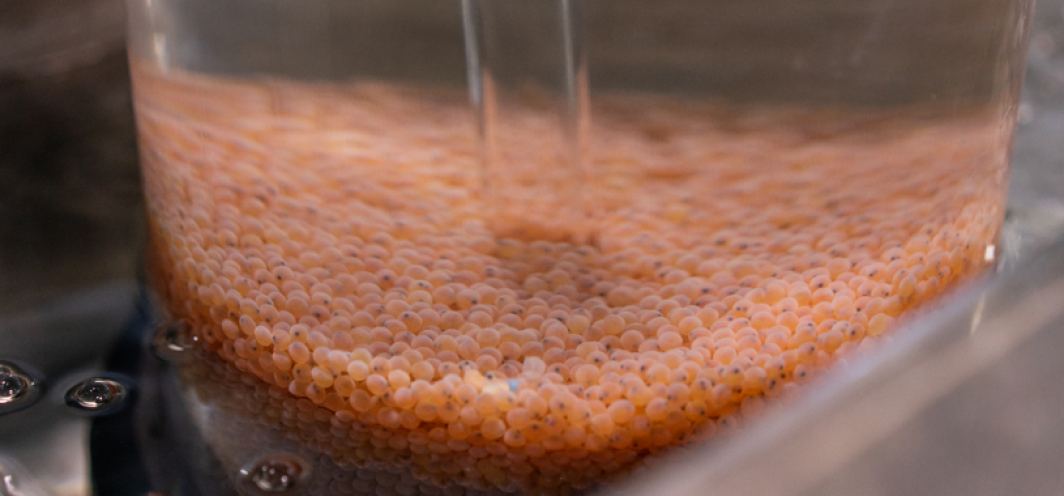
<point>18,389</point>
<point>96,395</point>
<point>173,339</point>
<point>275,474</point>
<point>12,387</point>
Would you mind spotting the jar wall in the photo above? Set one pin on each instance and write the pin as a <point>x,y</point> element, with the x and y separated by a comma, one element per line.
<point>548,260</point>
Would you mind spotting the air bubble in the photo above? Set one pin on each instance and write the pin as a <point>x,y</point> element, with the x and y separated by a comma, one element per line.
<point>17,388</point>
<point>97,395</point>
<point>275,474</point>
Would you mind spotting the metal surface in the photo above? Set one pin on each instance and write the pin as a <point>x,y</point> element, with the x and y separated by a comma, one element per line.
<point>70,219</point>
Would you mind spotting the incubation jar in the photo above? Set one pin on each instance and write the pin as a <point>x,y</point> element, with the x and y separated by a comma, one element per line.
<point>490,245</point>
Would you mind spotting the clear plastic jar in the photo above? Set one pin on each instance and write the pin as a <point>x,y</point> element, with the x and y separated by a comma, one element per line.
<point>506,245</point>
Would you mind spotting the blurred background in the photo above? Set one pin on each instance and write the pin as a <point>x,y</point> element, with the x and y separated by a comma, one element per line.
<point>71,220</point>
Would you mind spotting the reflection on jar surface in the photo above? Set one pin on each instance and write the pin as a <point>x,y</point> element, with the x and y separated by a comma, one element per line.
<point>410,315</point>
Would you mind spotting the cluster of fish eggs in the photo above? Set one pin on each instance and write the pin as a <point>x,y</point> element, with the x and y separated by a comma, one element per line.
<point>399,308</point>
<point>248,417</point>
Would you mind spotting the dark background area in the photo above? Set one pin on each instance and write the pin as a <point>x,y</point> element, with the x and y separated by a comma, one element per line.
<point>70,199</point>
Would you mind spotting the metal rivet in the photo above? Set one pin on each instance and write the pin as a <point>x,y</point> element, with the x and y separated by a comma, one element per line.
<point>173,339</point>
<point>275,474</point>
<point>17,388</point>
<point>13,387</point>
<point>96,395</point>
